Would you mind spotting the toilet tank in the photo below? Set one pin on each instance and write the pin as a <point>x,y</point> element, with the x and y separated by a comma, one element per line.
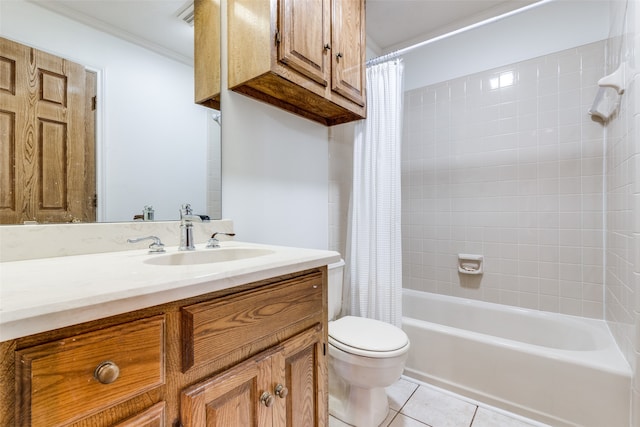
<point>335,280</point>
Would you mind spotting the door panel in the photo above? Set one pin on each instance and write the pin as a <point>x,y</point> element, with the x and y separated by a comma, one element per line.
<point>43,138</point>
<point>231,398</point>
<point>348,39</point>
<point>303,35</point>
<point>302,365</point>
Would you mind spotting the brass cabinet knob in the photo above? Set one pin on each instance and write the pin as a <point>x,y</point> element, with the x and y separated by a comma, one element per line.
<point>107,372</point>
<point>281,391</point>
<point>339,55</point>
<point>267,399</point>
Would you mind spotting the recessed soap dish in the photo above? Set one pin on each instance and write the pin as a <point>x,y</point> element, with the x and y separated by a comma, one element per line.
<point>470,263</point>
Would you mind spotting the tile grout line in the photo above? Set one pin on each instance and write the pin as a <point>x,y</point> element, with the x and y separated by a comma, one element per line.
<point>405,404</point>
<point>474,416</point>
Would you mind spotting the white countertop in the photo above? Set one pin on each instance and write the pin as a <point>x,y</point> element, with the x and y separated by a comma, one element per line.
<point>49,293</point>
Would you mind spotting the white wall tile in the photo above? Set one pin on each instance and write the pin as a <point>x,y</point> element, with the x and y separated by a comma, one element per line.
<point>509,174</point>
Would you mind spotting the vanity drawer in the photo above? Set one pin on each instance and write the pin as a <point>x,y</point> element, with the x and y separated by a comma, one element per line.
<point>216,328</point>
<point>66,380</point>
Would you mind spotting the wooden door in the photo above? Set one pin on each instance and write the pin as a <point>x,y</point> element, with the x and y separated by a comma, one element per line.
<point>231,398</point>
<point>44,132</point>
<point>301,367</point>
<point>304,37</point>
<point>348,50</point>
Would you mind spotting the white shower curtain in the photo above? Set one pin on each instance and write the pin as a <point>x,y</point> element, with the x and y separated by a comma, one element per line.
<point>374,252</point>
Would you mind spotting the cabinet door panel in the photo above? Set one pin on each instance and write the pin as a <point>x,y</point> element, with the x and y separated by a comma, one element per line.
<point>231,398</point>
<point>302,365</point>
<point>304,33</point>
<point>152,417</point>
<point>348,34</point>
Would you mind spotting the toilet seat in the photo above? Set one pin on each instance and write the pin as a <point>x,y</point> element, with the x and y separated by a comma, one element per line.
<point>367,337</point>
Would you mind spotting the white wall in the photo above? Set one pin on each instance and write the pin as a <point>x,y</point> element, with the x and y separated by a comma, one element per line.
<point>274,172</point>
<point>153,137</point>
<point>547,28</point>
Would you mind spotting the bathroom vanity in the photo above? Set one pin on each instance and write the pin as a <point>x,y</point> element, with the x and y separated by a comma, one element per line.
<point>124,339</point>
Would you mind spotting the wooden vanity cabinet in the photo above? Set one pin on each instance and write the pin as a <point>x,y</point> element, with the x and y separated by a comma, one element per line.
<point>204,358</point>
<point>305,57</point>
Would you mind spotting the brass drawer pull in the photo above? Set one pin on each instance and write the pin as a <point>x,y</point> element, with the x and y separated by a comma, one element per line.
<point>107,372</point>
<point>281,391</point>
<point>267,399</point>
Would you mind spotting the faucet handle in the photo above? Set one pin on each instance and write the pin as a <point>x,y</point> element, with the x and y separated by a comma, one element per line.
<point>185,211</point>
<point>215,243</point>
<point>187,216</point>
<point>155,247</point>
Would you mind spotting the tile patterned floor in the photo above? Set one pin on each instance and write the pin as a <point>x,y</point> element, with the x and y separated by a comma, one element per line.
<point>418,405</point>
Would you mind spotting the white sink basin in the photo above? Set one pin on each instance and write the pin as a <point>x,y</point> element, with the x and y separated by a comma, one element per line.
<point>208,256</point>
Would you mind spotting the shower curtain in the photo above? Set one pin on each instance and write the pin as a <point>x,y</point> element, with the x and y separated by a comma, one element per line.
<point>374,253</point>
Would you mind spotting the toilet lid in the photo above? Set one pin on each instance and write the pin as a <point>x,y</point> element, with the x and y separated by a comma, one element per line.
<point>370,335</point>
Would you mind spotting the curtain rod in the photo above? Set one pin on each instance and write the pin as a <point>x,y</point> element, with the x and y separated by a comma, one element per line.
<point>400,52</point>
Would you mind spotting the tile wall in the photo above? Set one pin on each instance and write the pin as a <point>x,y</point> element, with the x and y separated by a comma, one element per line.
<point>622,280</point>
<point>508,164</point>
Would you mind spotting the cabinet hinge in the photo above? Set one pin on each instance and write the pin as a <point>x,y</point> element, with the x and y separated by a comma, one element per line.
<point>278,37</point>
<point>324,349</point>
<point>94,103</point>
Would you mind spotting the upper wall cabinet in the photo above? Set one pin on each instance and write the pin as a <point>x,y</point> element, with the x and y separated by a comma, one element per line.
<point>307,57</point>
<point>206,55</point>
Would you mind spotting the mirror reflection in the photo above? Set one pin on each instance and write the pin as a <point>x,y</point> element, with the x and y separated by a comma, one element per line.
<point>153,145</point>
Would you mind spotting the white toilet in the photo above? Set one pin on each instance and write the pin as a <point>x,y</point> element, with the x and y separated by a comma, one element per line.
<point>365,356</point>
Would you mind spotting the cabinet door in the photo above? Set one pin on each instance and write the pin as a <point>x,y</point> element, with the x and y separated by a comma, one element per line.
<point>301,367</point>
<point>231,398</point>
<point>152,417</point>
<point>348,47</point>
<point>304,36</point>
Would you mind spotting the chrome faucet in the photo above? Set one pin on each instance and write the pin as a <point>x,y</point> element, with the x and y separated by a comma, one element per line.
<point>215,243</point>
<point>155,247</point>
<point>186,228</point>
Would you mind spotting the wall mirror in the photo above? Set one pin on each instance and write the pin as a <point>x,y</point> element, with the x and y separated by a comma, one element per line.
<point>154,145</point>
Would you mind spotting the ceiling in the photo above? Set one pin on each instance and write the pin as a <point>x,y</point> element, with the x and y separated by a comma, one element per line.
<point>395,24</point>
<point>391,24</point>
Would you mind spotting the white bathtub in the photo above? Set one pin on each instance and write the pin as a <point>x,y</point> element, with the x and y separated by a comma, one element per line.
<point>558,369</point>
